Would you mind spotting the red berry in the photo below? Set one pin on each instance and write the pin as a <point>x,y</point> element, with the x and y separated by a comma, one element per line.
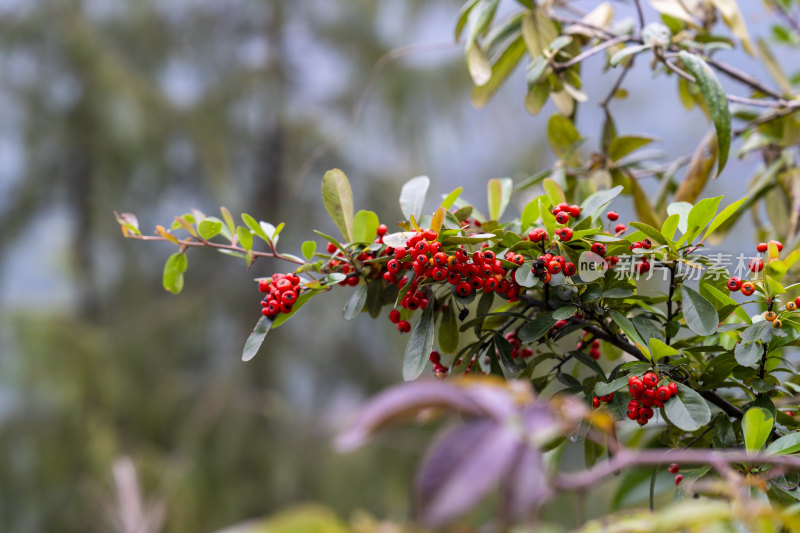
<point>554,267</point>
<point>286,307</point>
<point>647,244</point>
<point>748,288</point>
<point>563,206</point>
<point>678,479</point>
<point>381,231</point>
<point>489,255</point>
<point>594,353</point>
<point>562,217</point>
<point>574,211</point>
<point>642,267</point>
<point>439,274</point>
<point>762,247</point>
<point>429,235</point>
<point>463,289</point>
<point>673,388</point>
<point>565,234</point>
<point>636,387</point>
<point>599,249</point>
<point>403,326</point>
<point>650,380</point>
<point>779,244</point>
<point>435,357</point>
<point>797,301</point>
<point>635,245</point>
<point>673,468</point>
<point>663,393</point>
<point>619,228</point>
<point>422,247</point>
<point>734,284</point>
<point>756,265</point>
<point>612,216</point>
<point>596,402</point>
<point>490,284</point>
<point>570,269</point>
<point>263,285</point>
<point>394,316</point>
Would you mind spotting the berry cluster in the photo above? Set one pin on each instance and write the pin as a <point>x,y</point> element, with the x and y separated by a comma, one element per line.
<point>479,271</point>
<point>647,393</point>
<point>517,349</point>
<point>605,399</point>
<point>755,265</point>
<point>594,351</point>
<point>613,216</point>
<point>282,291</point>
<point>674,469</point>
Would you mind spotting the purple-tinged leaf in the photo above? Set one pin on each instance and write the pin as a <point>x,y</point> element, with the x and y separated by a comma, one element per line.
<point>526,487</point>
<point>462,467</point>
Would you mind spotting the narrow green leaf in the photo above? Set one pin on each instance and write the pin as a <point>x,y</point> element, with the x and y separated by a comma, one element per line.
<point>500,71</point>
<point>255,227</point>
<point>256,338</point>
<point>627,52</point>
<point>356,302</point>
<point>450,199</point>
<point>448,330</point>
<point>499,194</point>
<point>622,146</point>
<point>599,201</point>
<point>785,445</point>
<point>530,214</point>
<point>650,231</point>
<point>658,349</point>
<point>419,345</point>
<point>716,102</point>
<point>627,327</point>
<point>703,211</point>
<point>670,226</point>
<point>338,199</point>
<point>537,328</point>
<point>309,248</point>
<point>562,134</point>
<point>700,315</point>
<point>723,216</point>
<point>602,388</point>
<point>756,426</point>
<point>554,191</point>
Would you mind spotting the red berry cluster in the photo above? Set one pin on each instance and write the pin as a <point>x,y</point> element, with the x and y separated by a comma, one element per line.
<point>438,368</point>
<point>646,394</point>
<point>517,349</point>
<point>594,351</point>
<point>403,326</point>
<point>755,265</point>
<point>282,291</point>
<point>613,216</point>
<point>547,265</point>
<point>605,399</point>
<point>480,271</point>
<point>674,469</point>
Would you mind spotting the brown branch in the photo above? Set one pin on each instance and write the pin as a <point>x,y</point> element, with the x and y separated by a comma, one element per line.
<point>626,458</point>
<point>187,243</point>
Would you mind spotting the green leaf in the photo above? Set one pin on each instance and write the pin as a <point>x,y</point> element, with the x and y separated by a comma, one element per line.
<point>412,196</point>
<point>627,327</point>
<point>682,210</point>
<point>688,410</point>
<point>622,146</point>
<point>748,354</point>
<point>700,315</point>
<point>530,214</point>
<point>658,349</point>
<point>256,338</point>
<point>356,302</point>
<point>562,134</point>
<point>255,227</point>
<point>525,276</point>
<point>785,445</point>
<point>716,102</point>
<point>338,199</point>
<point>365,226</point>
<point>601,388</point>
<point>309,248</point>
<point>703,211</point>
<point>627,52</point>
<point>548,220</point>
<point>301,301</point>
<point>554,191</point>
<point>564,312</point>
<point>723,435</point>
<point>500,70</point>
<point>450,199</point>
<point>599,201</point>
<point>505,349</point>
<point>537,328</point>
<point>209,228</point>
<point>670,226</point>
<point>419,345</point>
<point>723,216</point>
<point>761,330</point>
<point>448,330</point>
<point>499,193</point>
<point>173,272</point>
<point>245,237</point>
<point>650,231</point>
<point>463,14</point>
<point>756,426</point>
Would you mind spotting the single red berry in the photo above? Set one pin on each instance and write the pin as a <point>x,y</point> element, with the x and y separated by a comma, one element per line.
<point>490,284</point>
<point>476,282</point>
<point>562,217</point>
<point>734,284</point>
<point>331,248</point>
<point>663,393</point>
<point>599,249</point>
<point>381,231</point>
<point>650,380</point>
<point>422,247</point>
<point>463,289</point>
<point>635,245</point>
<point>453,277</point>
<point>404,326</point>
<point>399,253</point>
<point>636,387</point>
<point>642,266</point>
<point>439,274</point>
<point>394,316</point>
<point>779,244</point>
<point>429,235</point>
<point>594,353</point>
<point>440,258</point>
<point>436,247</point>
<point>563,206</point>
<point>596,402</point>
<point>678,479</point>
<point>565,234</point>
<point>797,301</point>
<point>574,211</point>
<point>673,468</point>
<point>290,297</point>
<point>619,228</point>
<point>756,265</point>
<point>394,266</point>
<point>646,413</point>
<point>486,270</point>
<point>748,288</point>
<point>554,267</point>
<point>762,247</point>
<point>435,357</point>
<point>647,244</point>
<point>518,259</point>
<point>263,285</point>
<point>286,307</point>
<point>673,388</point>
<point>612,216</point>
<point>489,255</point>
<point>570,269</point>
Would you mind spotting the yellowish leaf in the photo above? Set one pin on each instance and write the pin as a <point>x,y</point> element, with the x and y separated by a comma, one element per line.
<point>699,170</point>
<point>729,9</point>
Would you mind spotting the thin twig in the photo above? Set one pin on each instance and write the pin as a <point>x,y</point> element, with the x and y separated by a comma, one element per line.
<point>590,52</point>
<point>640,13</point>
<point>187,243</point>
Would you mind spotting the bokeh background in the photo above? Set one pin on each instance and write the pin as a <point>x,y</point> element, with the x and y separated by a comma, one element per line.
<point>157,107</point>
